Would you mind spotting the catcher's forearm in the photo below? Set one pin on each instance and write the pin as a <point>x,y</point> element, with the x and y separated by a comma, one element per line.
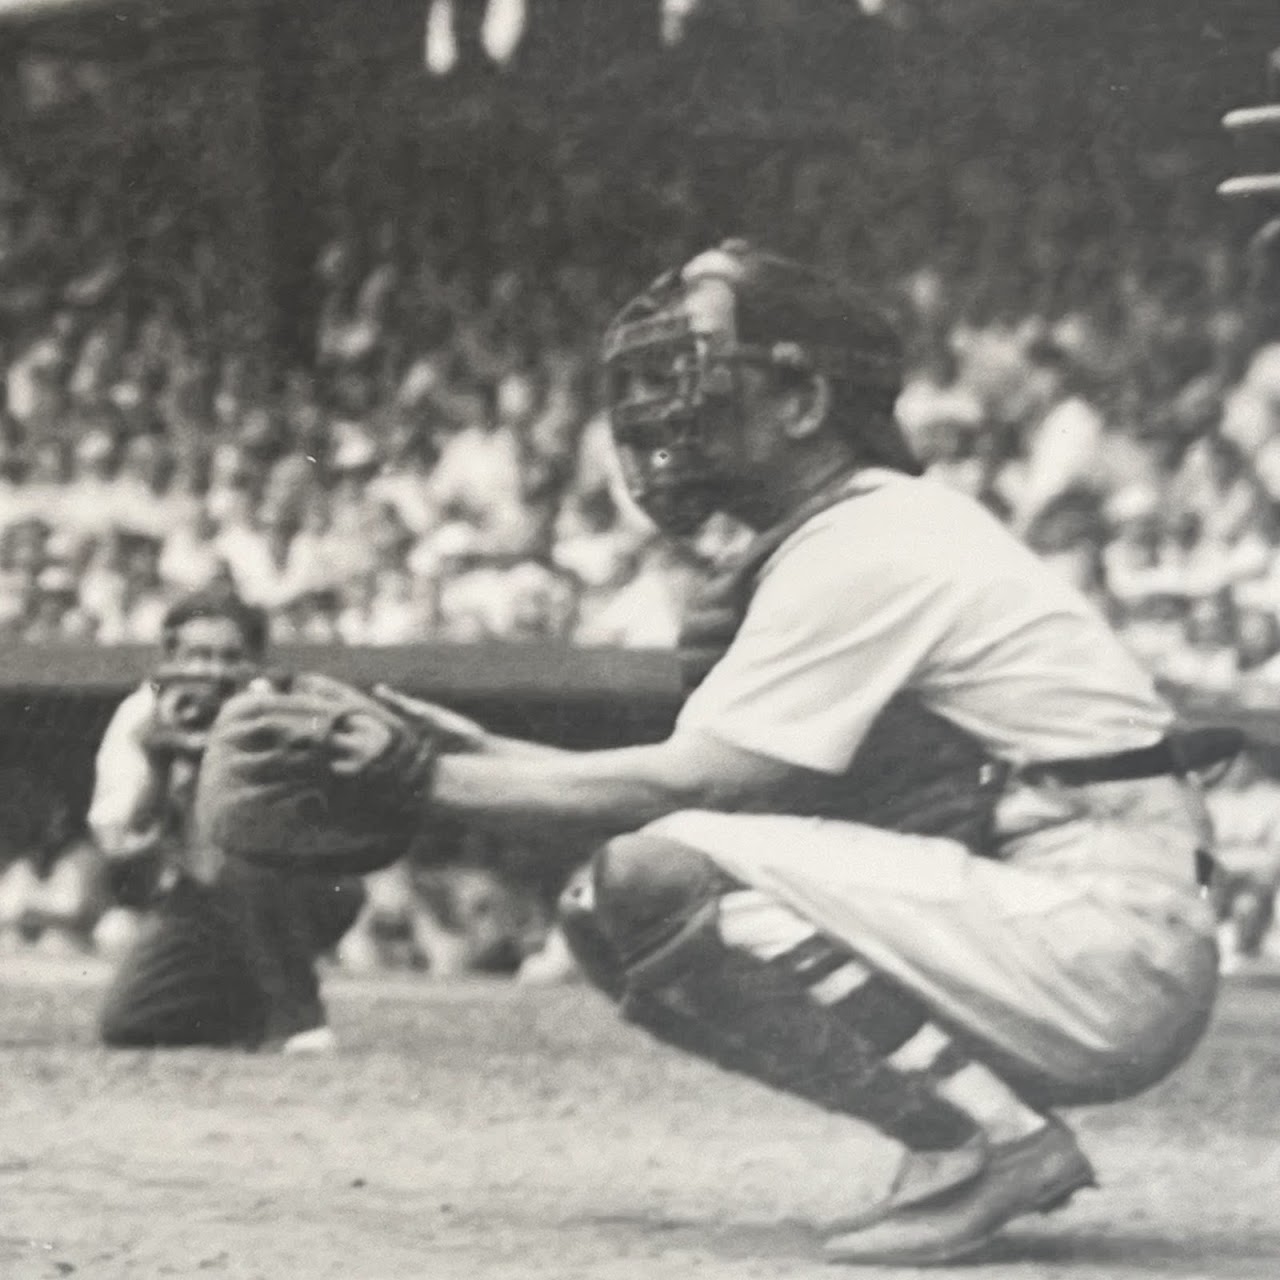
<point>602,791</point>
<point>389,769</point>
<point>607,792</point>
<point>496,745</point>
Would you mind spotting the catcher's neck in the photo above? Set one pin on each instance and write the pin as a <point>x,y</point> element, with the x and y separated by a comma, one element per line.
<point>776,495</point>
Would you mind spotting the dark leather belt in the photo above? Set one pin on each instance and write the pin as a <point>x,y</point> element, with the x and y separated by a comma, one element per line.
<point>1187,751</point>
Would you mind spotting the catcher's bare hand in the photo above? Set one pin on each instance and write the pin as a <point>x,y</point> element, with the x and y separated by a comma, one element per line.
<point>452,731</point>
<point>356,743</point>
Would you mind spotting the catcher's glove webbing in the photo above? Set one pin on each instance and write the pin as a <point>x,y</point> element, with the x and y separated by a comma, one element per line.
<point>316,777</point>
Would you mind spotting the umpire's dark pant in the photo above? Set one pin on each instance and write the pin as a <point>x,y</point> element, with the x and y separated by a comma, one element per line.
<point>232,963</point>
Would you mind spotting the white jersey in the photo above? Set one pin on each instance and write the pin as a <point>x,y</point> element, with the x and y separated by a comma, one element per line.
<point>911,586</point>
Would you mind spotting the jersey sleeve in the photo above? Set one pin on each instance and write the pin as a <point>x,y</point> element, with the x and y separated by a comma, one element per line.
<point>839,623</point>
<point>124,782</point>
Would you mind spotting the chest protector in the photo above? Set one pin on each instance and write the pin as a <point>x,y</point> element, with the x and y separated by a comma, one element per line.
<point>915,771</point>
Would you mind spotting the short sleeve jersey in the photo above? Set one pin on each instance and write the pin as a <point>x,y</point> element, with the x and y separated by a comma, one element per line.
<point>910,586</point>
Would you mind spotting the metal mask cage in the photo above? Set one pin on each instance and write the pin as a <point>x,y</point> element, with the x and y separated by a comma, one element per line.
<point>661,372</point>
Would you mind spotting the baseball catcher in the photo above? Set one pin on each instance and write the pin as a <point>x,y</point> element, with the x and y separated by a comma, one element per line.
<point>923,846</point>
<point>226,954</point>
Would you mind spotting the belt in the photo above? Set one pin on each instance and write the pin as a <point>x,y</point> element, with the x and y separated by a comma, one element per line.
<point>1187,751</point>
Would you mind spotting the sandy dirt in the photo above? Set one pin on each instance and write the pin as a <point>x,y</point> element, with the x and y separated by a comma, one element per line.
<point>481,1130</point>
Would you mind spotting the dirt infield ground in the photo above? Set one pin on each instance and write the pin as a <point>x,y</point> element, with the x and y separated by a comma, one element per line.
<point>487,1131</point>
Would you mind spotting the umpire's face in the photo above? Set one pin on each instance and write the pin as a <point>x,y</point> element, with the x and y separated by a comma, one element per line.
<point>207,660</point>
<point>213,643</point>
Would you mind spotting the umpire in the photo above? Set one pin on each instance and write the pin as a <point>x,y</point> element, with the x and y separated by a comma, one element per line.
<point>226,954</point>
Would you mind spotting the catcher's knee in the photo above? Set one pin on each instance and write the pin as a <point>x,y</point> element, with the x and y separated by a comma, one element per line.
<point>649,888</point>
<point>635,896</point>
<point>580,923</point>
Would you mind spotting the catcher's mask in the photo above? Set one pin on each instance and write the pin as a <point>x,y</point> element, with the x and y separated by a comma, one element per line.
<point>674,358</point>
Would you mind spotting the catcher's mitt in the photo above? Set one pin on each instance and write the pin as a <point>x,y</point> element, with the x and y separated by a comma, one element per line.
<point>314,777</point>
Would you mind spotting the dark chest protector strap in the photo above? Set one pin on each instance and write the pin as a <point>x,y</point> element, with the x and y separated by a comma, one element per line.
<point>915,771</point>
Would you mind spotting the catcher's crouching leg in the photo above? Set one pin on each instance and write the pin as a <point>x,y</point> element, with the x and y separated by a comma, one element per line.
<point>722,971</point>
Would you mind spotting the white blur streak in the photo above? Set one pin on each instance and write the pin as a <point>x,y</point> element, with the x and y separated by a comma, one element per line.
<point>441,49</point>
<point>18,10</point>
<point>675,16</point>
<point>503,28</point>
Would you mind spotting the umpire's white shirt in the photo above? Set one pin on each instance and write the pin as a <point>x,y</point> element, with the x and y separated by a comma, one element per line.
<point>912,585</point>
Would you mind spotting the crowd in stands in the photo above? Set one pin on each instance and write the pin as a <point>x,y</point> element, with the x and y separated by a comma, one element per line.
<point>439,470</point>
<point>1154,489</point>
<point>466,490</point>
<point>461,494</point>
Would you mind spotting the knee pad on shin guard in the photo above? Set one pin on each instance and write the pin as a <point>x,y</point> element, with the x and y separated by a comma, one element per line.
<point>631,901</point>
<point>801,1014</point>
<point>650,892</point>
<point>589,944</point>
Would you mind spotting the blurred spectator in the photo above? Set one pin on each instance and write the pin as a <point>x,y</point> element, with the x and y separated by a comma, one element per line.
<point>404,481</point>
<point>310,618</point>
<point>191,558</point>
<point>55,614</point>
<point>90,501</point>
<point>947,434</point>
<point>1134,561</point>
<point>47,483</point>
<point>498,600</point>
<point>292,483</point>
<point>383,608</point>
<point>1245,808</point>
<point>269,565</point>
<point>143,600</point>
<point>234,486</point>
<point>481,477</point>
<point>52,887</point>
<point>640,606</point>
<point>1258,644</point>
<point>1216,484</point>
<point>103,584</point>
<point>15,503</point>
<point>36,395</point>
<point>1208,658</point>
<point>448,920</point>
<point>1068,533</point>
<point>1064,431</point>
<point>147,501</point>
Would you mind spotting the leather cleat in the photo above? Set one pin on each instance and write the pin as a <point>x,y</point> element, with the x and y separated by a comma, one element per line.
<point>1035,1174</point>
<point>922,1176</point>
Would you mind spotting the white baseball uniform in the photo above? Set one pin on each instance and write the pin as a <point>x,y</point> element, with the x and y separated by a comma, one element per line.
<point>1083,956</point>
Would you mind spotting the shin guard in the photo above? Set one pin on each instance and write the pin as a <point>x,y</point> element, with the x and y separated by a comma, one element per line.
<point>771,1020</point>
<point>791,1008</point>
